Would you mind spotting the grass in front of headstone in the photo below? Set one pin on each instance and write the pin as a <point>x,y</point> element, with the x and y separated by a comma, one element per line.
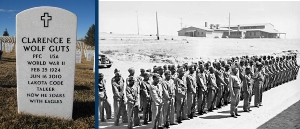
<point>83,107</point>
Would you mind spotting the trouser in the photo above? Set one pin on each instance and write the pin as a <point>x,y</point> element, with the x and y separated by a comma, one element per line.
<point>210,97</point>
<point>202,97</point>
<point>247,98</point>
<point>257,93</point>
<point>169,111</point>
<point>219,99</point>
<point>189,103</point>
<point>104,104</point>
<point>226,94</point>
<point>147,113</point>
<point>180,112</point>
<point>120,110</point>
<point>133,111</point>
<point>155,110</point>
<point>266,83</point>
<point>235,99</point>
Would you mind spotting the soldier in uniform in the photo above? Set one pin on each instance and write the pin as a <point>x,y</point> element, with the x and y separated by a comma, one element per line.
<point>140,79</point>
<point>191,92</point>
<point>145,97</point>
<point>156,96</point>
<point>226,87</point>
<point>168,100</point>
<point>132,102</point>
<point>202,89</point>
<point>247,86</point>
<point>219,73</point>
<point>119,103</point>
<point>212,88</point>
<point>258,82</point>
<point>235,87</point>
<point>180,91</point>
<point>104,104</point>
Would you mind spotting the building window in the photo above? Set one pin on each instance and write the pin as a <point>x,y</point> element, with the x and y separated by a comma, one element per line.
<point>202,33</point>
<point>254,33</point>
<point>250,33</point>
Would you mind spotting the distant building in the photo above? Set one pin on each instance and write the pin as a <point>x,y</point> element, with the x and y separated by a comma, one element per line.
<point>265,30</point>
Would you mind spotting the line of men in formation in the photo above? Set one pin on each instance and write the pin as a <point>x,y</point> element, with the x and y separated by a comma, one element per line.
<point>191,90</point>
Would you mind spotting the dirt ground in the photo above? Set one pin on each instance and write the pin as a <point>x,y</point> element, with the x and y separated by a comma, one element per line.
<point>275,101</point>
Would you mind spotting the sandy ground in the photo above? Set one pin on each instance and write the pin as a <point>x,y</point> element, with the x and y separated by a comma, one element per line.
<point>279,104</point>
<point>275,101</point>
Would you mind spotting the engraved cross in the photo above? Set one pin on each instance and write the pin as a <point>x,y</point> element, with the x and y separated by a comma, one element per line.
<point>46,19</point>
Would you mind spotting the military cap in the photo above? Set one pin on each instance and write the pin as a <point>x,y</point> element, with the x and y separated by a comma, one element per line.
<point>264,57</point>
<point>147,74</point>
<point>211,68</point>
<point>248,67</point>
<point>242,62</point>
<point>227,67</point>
<point>156,75</point>
<point>142,70</point>
<point>148,70</point>
<point>180,69</point>
<point>259,64</point>
<point>101,75</point>
<point>223,63</point>
<point>116,70</point>
<point>251,62</point>
<point>131,69</point>
<point>167,72</point>
<point>191,66</point>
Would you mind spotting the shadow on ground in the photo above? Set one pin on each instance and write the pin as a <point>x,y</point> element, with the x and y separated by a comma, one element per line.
<point>287,119</point>
<point>83,109</point>
<point>8,60</point>
<point>216,116</point>
<point>81,87</point>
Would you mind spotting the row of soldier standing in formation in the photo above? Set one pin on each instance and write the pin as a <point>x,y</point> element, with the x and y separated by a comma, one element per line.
<point>195,89</point>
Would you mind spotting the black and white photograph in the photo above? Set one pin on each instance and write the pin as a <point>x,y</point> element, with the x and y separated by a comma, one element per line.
<point>199,64</point>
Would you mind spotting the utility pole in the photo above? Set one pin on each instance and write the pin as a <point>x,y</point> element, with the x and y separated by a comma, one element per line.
<point>181,23</point>
<point>229,26</point>
<point>157,27</point>
<point>137,18</point>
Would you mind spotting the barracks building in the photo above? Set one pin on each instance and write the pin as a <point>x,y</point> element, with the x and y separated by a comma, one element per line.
<point>264,30</point>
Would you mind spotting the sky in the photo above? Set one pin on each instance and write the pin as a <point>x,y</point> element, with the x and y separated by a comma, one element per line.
<point>84,9</point>
<point>122,17</point>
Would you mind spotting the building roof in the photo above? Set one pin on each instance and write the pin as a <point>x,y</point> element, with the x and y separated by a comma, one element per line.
<point>241,25</point>
<point>194,29</point>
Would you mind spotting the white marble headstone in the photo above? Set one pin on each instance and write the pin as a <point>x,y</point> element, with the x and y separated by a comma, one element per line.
<point>78,56</point>
<point>45,49</point>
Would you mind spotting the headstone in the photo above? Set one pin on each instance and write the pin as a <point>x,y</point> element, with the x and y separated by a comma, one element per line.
<point>1,45</point>
<point>78,56</point>
<point>45,49</point>
<point>7,47</point>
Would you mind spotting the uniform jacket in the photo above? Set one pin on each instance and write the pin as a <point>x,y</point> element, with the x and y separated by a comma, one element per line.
<point>201,81</point>
<point>118,88</point>
<point>168,89</point>
<point>191,83</point>
<point>132,94</point>
<point>156,93</point>
<point>181,88</point>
